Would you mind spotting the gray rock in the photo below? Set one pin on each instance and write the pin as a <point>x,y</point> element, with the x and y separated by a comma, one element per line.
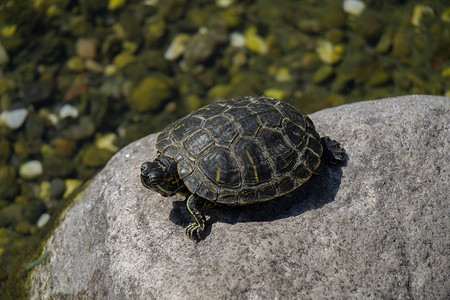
<point>373,228</point>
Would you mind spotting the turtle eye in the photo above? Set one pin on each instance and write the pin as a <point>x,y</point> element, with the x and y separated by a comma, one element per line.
<point>144,166</point>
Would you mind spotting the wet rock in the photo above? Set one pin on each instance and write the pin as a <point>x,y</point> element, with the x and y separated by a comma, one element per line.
<point>379,79</point>
<point>342,83</point>
<point>9,186</point>
<point>90,8</point>
<point>33,210</point>
<point>151,93</point>
<point>5,150</point>
<point>309,25</point>
<point>11,214</point>
<point>156,29</point>
<point>84,129</point>
<point>154,60</point>
<point>4,57</point>
<point>333,17</point>
<point>78,26</point>
<point>31,170</point>
<point>7,85</point>
<point>374,226</point>
<point>37,92</point>
<point>199,49</point>
<point>401,44</point>
<point>385,42</point>
<point>57,187</point>
<point>371,27</point>
<point>34,127</point>
<point>95,157</point>
<point>116,4</point>
<point>111,47</point>
<point>324,72</point>
<point>64,147</point>
<point>56,166</point>
<point>335,35</point>
<point>23,228</point>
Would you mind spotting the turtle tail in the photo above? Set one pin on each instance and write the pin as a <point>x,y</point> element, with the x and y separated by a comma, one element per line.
<point>332,153</point>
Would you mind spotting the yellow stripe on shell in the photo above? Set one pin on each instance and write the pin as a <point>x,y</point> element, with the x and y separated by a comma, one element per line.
<point>253,165</point>
<point>218,175</point>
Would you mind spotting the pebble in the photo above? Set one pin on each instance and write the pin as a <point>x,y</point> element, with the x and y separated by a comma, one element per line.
<point>31,169</point>
<point>68,111</point>
<point>93,66</point>
<point>354,7</point>
<point>75,64</point>
<point>57,187</point>
<point>151,2</point>
<point>14,119</point>
<point>419,12</point>
<point>71,185</point>
<point>275,93</point>
<point>224,3</point>
<point>177,47</point>
<point>45,191</point>
<point>322,74</point>
<point>329,53</point>
<point>9,30</point>
<point>151,93</point>
<point>110,70</point>
<point>4,57</point>
<point>86,48</point>
<point>199,49</point>
<point>445,16</point>
<point>237,40</point>
<point>95,157</point>
<point>123,59</point>
<point>43,219</point>
<point>255,43</point>
<point>107,142</point>
<point>116,4</point>
<point>283,75</point>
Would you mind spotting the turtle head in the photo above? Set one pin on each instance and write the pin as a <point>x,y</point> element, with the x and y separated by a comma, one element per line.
<point>161,176</point>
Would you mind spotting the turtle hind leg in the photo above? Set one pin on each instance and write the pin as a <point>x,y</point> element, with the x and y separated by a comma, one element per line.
<point>195,206</point>
<point>333,153</point>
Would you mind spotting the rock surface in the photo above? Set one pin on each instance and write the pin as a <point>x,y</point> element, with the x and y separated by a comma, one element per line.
<point>373,228</point>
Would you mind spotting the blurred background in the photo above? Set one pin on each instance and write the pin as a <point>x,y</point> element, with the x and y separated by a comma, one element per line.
<point>81,79</point>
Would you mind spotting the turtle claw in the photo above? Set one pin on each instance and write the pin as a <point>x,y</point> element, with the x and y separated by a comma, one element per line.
<point>194,231</point>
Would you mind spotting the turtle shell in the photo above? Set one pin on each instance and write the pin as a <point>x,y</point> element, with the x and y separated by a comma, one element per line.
<point>241,151</point>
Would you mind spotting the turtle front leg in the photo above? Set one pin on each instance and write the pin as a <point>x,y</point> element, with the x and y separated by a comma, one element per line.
<point>195,205</point>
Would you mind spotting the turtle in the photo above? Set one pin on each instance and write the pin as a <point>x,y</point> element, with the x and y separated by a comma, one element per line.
<point>237,152</point>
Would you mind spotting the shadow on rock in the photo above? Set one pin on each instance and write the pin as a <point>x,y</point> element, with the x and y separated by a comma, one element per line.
<point>314,194</point>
